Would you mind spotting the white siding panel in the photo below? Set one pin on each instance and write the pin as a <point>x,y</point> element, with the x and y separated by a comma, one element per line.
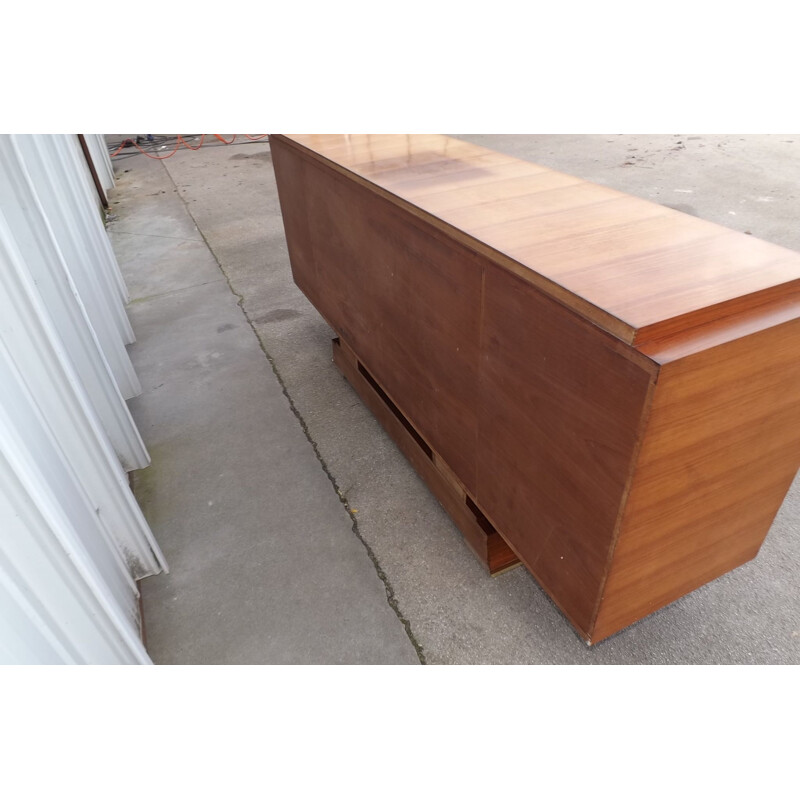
<point>52,613</point>
<point>100,158</point>
<point>44,261</point>
<point>31,446</point>
<point>73,540</point>
<point>76,171</point>
<point>35,348</point>
<point>40,159</point>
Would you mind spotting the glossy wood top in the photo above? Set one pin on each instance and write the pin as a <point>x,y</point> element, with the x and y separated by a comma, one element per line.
<point>638,269</point>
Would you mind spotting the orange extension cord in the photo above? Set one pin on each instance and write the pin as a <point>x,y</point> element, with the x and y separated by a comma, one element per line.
<point>183,141</point>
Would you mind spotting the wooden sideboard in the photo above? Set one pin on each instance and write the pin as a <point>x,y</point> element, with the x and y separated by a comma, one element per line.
<point>599,386</point>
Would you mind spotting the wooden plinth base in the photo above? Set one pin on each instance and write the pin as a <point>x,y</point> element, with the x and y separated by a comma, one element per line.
<point>482,538</point>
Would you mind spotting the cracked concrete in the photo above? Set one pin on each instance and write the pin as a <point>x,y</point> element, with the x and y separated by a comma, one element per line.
<point>455,612</point>
<point>264,564</point>
<point>342,496</point>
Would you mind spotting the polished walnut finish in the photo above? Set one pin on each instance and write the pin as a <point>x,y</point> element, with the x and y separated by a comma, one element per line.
<point>609,384</point>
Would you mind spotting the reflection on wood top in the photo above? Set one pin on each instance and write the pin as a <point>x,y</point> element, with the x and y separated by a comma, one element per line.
<point>639,269</point>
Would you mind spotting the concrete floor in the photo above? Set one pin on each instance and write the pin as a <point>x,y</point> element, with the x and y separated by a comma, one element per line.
<point>295,530</point>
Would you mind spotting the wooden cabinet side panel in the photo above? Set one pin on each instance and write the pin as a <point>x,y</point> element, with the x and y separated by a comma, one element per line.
<point>561,411</point>
<point>721,449</point>
<point>405,297</point>
<point>290,179</point>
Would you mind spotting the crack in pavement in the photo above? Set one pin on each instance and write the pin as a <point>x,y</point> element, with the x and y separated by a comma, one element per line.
<point>390,594</point>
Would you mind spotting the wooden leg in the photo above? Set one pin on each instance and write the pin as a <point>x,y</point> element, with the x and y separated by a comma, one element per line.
<point>482,538</point>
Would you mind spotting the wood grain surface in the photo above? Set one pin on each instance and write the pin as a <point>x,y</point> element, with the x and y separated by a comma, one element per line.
<point>656,265</point>
<point>561,410</point>
<point>721,450</point>
<point>404,297</point>
<point>610,385</point>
